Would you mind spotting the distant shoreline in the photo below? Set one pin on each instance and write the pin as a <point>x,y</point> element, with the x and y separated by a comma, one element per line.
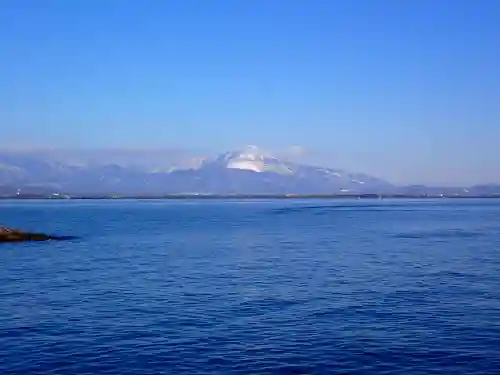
<point>248,197</point>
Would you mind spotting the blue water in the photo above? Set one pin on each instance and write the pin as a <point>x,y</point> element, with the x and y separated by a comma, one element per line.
<point>270,287</point>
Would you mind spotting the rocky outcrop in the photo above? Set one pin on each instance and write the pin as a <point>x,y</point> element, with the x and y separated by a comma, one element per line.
<point>16,235</point>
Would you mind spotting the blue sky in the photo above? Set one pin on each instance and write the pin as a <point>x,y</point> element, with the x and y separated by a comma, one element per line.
<point>408,90</point>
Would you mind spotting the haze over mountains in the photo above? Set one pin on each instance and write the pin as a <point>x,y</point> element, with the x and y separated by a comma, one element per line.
<point>249,170</point>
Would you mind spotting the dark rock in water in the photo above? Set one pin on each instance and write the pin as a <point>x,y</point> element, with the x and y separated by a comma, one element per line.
<point>16,235</point>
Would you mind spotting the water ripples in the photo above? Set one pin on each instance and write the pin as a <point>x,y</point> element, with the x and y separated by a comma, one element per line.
<point>263,288</point>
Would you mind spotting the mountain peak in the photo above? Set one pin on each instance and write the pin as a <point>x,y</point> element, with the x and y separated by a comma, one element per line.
<point>249,158</point>
<point>249,170</point>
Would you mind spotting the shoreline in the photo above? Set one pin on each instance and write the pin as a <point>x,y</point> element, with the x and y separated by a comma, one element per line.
<point>250,197</point>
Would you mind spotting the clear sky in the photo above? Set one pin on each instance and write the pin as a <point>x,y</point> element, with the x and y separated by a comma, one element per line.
<point>408,90</point>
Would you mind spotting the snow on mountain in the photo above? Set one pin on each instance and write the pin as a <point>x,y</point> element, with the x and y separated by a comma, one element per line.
<point>288,176</point>
<point>245,171</point>
<point>250,158</point>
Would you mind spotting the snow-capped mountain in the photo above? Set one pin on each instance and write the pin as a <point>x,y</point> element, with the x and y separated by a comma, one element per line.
<point>249,170</point>
<point>249,158</point>
<point>252,170</point>
<point>252,159</point>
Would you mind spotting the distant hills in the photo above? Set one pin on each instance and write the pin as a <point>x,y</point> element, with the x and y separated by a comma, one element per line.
<point>246,171</point>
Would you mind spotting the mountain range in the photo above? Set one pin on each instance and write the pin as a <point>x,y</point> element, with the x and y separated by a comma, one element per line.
<point>246,171</point>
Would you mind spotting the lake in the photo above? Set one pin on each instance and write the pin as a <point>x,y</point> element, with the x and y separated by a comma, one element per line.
<point>252,287</point>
